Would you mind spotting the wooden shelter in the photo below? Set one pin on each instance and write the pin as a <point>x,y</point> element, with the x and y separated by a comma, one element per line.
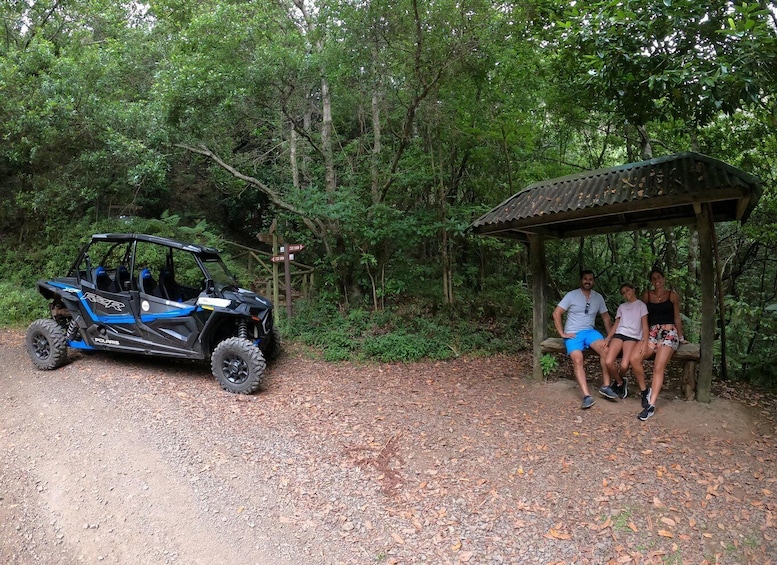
<point>682,189</point>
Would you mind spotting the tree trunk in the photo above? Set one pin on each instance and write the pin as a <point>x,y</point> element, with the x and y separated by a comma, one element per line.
<point>376,146</point>
<point>326,140</point>
<point>644,139</point>
<point>293,158</point>
<point>670,254</point>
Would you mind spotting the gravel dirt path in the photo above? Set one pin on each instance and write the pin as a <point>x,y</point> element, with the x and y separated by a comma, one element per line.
<point>115,459</point>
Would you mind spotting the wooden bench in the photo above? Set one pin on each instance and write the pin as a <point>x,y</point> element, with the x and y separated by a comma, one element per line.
<point>687,356</point>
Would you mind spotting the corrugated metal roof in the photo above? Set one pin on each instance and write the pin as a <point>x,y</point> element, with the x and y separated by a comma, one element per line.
<point>660,192</point>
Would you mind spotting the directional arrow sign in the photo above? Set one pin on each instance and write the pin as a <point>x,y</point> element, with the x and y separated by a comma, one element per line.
<point>281,258</point>
<point>293,248</point>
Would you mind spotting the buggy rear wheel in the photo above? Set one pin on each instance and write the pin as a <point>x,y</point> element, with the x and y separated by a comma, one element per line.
<point>46,344</point>
<point>238,365</point>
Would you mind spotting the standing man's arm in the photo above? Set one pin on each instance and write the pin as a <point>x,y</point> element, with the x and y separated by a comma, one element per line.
<point>557,313</point>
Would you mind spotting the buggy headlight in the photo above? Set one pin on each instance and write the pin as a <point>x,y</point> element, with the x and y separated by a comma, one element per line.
<point>216,302</point>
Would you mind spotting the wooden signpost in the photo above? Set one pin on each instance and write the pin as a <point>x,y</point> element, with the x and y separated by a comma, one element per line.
<point>283,255</point>
<point>286,257</point>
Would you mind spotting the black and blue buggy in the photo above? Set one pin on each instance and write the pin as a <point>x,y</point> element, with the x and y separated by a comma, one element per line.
<point>149,295</point>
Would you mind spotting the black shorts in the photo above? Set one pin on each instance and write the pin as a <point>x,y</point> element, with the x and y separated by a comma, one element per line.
<point>625,337</point>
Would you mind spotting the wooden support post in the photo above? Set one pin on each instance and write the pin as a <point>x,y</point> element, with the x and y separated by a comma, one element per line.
<point>688,382</point>
<point>539,298</point>
<point>287,277</point>
<point>705,226</point>
<point>275,274</point>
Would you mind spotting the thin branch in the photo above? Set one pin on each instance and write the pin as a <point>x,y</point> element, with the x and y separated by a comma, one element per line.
<point>313,224</point>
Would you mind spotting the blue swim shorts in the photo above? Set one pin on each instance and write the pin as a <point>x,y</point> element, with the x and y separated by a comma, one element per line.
<point>582,340</point>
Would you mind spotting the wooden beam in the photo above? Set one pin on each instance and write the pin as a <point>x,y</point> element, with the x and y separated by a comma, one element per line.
<point>539,298</point>
<point>742,206</point>
<point>705,227</point>
<point>686,351</point>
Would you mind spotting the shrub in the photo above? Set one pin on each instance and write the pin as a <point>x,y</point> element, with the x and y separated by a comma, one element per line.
<point>409,332</point>
<point>403,346</point>
<point>19,306</point>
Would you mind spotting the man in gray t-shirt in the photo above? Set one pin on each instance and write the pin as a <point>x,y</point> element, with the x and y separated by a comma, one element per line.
<point>581,307</point>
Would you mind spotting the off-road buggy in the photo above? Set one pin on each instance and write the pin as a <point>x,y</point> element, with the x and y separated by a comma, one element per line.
<point>150,295</point>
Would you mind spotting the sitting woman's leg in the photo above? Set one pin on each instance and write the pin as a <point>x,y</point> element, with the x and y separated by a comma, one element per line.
<point>663,355</point>
<point>637,361</point>
<point>611,361</point>
<point>628,351</point>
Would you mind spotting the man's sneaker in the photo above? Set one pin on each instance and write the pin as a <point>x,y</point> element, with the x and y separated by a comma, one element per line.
<point>587,403</point>
<point>623,389</point>
<point>607,392</point>
<point>647,413</point>
<point>646,397</point>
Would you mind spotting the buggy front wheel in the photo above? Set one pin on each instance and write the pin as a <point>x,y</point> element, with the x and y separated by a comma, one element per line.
<point>238,365</point>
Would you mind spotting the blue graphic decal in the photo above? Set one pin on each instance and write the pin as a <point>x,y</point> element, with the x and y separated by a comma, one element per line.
<point>107,319</point>
<point>177,313</point>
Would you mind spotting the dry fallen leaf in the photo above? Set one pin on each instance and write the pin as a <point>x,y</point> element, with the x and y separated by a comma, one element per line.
<point>669,522</point>
<point>556,534</point>
<point>665,534</point>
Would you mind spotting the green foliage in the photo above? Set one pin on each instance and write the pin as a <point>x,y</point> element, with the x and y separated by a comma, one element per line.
<point>407,347</point>
<point>751,333</point>
<point>651,60</point>
<point>78,133</point>
<point>549,363</point>
<point>19,306</point>
<point>407,333</point>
